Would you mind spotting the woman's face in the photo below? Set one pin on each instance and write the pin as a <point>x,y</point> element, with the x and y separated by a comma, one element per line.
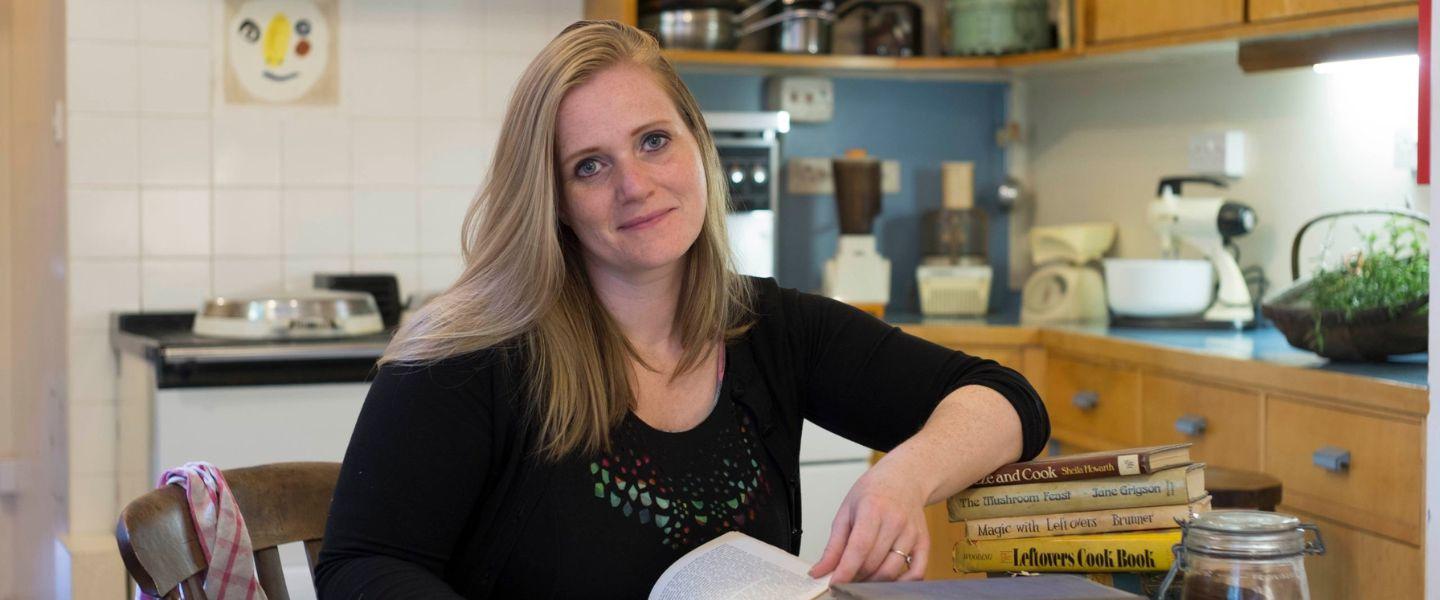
<point>632,180</point>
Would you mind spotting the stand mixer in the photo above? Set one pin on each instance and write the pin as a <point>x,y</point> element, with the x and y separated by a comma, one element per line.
<point>1207,224</point>
<point>858,275</point>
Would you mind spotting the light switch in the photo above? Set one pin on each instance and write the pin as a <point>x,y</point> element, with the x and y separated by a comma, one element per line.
<point>1219,153</point>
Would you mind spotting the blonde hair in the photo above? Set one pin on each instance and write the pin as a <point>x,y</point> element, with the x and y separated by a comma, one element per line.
<point>524,283</point>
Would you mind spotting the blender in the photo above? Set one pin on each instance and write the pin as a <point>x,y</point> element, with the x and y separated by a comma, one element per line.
<point>857,275</point>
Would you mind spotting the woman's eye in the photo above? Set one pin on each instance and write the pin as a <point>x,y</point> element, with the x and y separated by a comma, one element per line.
<point>655,141</point>
<point>250,31</point>
<point>587,167</point>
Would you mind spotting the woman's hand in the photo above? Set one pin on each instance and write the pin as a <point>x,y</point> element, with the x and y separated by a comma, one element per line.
<point>972,431</point>
<point>884,511</point>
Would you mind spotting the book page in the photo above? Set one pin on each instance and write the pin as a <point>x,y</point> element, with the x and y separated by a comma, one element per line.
<point>736,566</point>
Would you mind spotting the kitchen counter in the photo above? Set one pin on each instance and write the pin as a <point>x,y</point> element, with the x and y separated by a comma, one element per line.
<point>1268,345</point>
<point>1264,344</point>
<point>184,359</point>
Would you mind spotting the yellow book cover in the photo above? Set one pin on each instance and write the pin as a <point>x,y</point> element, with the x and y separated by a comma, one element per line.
<point>1094,553</point>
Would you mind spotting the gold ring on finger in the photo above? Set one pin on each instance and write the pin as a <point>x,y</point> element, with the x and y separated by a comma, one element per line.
<point>902,553</point>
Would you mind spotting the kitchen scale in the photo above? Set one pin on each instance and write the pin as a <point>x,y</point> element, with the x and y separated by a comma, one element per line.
<point>1066,286</point>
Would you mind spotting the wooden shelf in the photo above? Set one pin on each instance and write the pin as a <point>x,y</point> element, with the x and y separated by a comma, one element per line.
<point>998,66</point>
<point>778,60</point>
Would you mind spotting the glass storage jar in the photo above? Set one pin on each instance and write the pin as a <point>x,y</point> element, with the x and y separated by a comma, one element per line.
<point>1243,554</point>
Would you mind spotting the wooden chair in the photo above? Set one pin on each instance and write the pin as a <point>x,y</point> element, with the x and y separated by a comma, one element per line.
<point>281,503</point>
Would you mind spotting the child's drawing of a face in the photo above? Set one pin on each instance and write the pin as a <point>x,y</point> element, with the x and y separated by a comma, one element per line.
<point>278,48</point>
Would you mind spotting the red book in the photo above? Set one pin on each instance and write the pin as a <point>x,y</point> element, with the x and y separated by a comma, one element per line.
<point>1092,465</point>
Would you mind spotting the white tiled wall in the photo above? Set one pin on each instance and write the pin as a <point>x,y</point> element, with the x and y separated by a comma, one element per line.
<point>176,196</point>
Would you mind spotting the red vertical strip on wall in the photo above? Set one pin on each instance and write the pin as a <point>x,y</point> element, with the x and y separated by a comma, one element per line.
<point>1422,152</point>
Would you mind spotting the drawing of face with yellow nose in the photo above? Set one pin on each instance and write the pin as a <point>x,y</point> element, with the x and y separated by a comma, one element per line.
<point>278,48</point>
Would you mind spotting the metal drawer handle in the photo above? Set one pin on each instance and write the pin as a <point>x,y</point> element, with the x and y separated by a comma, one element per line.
<point>1085,399</point>
<point>1193,425</point>
<point>1332,459</point>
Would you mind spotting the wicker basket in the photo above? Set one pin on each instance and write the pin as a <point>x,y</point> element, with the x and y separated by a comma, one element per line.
<point>1370,335</point>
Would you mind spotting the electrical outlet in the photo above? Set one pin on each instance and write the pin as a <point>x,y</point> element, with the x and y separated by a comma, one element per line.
<point>1218,153</point>
<point>807,99</point>
<point>813,177</point>
<point>1405,150</point>
<point>890,177</point>
<point>809,177</point>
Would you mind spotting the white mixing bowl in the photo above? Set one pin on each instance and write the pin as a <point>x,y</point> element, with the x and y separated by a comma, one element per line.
<point>1157,287</point>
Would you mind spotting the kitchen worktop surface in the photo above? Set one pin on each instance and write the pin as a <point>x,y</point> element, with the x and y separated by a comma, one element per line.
<point>169,342</point>
<point>1265,344</point>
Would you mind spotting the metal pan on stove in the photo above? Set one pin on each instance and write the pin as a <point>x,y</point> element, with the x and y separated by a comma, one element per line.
<point>287,315</point>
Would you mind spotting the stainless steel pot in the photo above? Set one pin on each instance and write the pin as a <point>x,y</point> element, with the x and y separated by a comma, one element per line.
<point>801,26</point>
<point>801,30</point>
<point>699,24</point>
<point>692,28</point>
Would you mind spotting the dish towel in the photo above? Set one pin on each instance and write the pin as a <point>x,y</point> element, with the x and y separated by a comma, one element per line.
<point>222,533</point>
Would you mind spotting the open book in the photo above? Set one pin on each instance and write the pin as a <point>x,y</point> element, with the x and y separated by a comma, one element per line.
<point>736,566</point>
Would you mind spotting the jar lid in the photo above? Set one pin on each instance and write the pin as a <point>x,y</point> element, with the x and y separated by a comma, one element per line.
<point>1245,534</point>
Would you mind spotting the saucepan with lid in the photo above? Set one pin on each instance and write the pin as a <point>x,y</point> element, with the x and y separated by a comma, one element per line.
<point>801,26</point>
<point>889,27</point>
<point>700,24</point>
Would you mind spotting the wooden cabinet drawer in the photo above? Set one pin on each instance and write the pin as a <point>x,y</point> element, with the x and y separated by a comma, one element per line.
<point>1358,564</point>
<point>1380,489</point>
<point>1261,10</point>
<point>1096,401</point>
<point>1111,20</point>
<point>1223,424</point>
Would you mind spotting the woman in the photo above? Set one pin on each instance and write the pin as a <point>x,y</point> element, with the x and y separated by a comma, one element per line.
<point>599,392</point>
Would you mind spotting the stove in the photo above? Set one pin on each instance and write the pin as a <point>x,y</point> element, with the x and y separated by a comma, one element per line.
<point>182,358</point>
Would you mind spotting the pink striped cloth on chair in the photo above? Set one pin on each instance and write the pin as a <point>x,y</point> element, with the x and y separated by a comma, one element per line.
<point>221,528</point>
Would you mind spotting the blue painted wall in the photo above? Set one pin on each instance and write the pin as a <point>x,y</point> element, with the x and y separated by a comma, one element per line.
<point>920,124</point>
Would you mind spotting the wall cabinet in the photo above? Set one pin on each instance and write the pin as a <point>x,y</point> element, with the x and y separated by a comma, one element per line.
<point>1143,24</point>
<point>1112,20</point>
<point>1261,10</point>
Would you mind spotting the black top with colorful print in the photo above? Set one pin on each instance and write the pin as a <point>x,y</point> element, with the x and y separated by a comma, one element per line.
<point>611,523</point>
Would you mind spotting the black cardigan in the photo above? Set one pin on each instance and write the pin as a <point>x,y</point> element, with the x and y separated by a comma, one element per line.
<point>438,481</point>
